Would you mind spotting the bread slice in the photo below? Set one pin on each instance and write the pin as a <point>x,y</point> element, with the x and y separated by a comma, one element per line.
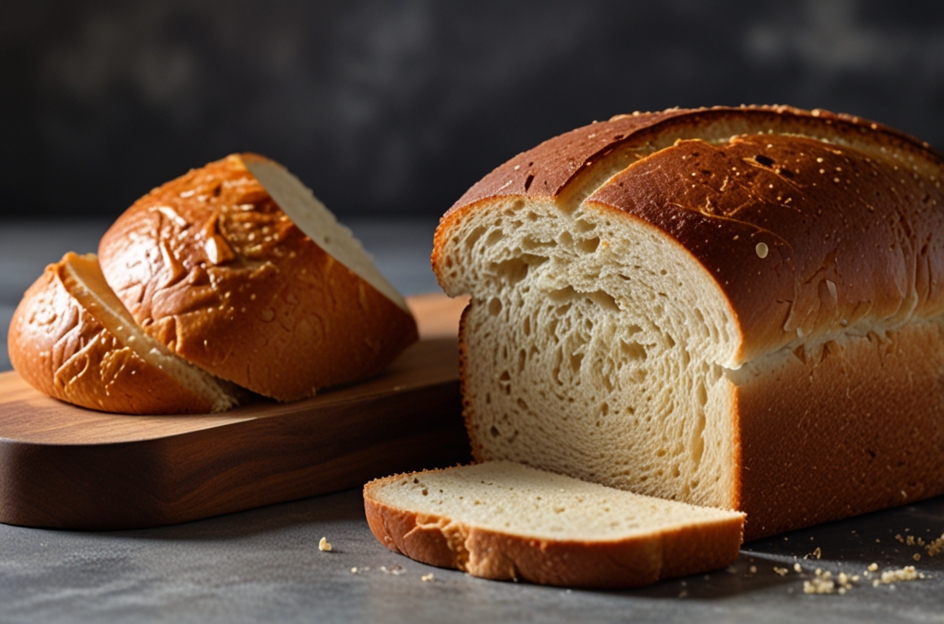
<point>506,521</point>
<point>73,339</point>
<point>734,307</point>
<point>237,268</point>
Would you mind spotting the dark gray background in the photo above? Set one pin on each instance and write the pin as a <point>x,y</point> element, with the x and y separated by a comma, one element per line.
<point>394,108</point>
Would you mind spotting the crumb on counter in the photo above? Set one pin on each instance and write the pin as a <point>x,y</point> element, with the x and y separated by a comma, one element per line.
<point>426,578</point>
<point>824,583</point>
<point>936,547</point>
<point>324,545</point>
<point>907,573</point>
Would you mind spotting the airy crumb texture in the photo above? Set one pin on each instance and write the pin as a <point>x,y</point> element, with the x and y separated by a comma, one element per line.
<point>505,520</point>
<point>324,545</point>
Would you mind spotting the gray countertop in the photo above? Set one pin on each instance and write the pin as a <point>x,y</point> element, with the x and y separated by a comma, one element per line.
<point>264,564</point>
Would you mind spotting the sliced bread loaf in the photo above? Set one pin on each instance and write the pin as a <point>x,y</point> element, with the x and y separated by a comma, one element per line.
<point>503,520</point>
<point>734,307</point>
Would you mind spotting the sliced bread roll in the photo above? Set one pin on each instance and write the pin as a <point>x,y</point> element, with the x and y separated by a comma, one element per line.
<point>734,307</point>
<point>71,338</point>
<point>237,268</point>
<point>506,521</point>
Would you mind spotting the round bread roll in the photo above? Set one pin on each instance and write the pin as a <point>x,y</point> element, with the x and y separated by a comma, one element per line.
<point>72,339</point>
<point>213,267</point>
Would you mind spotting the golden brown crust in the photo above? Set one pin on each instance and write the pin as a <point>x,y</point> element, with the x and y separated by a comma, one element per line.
<point>810,207</point>
<point>63,350</point>
<point>210,266</point>
<point>819,446</point>
<point>631,562</point>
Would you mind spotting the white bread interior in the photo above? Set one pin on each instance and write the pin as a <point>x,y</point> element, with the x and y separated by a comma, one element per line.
<point>603,344</point>
<point>511,498</point>
<point>318,223</point>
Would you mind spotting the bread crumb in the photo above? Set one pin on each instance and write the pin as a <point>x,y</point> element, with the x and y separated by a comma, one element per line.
<point>936,547</point>
<point>324,545</point>
<point>426,578</point>
<point>781,571</point>
<point>816,554</point>
<point>907,573</point>
<point>797,568</point>
<point>916,556</point>
<point>873,567</point>
<point>824,583</point>
<point>353,570</point>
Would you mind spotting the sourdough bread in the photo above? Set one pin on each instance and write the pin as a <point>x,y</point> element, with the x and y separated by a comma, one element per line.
<point>71,338</point>
<point>735,307</point>
<point>282,302</point>
<point>503,520</point>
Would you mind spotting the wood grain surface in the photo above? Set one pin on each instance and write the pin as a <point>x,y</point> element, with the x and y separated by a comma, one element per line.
<point>66,467</point>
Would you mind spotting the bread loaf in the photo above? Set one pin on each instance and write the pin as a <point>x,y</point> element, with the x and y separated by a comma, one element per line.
<point>734,307</point>
<point>502,520</point>
<point>71,338</point>
<point>237,268</point>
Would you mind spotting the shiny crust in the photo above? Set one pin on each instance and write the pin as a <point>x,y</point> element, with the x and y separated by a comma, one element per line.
<point>61,349</point>
<point>883,189</point>
<point>632,562</point>
<point>210,266</point>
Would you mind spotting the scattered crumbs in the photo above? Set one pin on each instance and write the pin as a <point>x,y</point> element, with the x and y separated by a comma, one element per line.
<point>353,570</point>
<point>916,556</point>
<point>786,539</point>
<point>936,547</point>
<point>395,570</point>
<point>878,541</point>
<point>816,554</point>
<point>781,571</point>
<point>797,568</point>
<point>324,545</point>
<point>427,578</point>
<point>753,569</point>
<point>873,567</point>
<point>824,583</point>
<point>907,573</point>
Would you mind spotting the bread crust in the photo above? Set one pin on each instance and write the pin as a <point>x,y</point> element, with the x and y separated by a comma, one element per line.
<point>818,446</point>
<point>210,266</point>
<point>849,267</point>
<point>64,351</point>
<point>617,564</point>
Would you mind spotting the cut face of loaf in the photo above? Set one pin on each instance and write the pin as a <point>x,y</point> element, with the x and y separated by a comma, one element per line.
<point>729,307</point>
<point>505,521</point>
<point>72,339</point>
<point>237,268</point>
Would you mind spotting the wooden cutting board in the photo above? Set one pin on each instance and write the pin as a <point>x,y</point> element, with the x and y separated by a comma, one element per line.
<point>70,468</point>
